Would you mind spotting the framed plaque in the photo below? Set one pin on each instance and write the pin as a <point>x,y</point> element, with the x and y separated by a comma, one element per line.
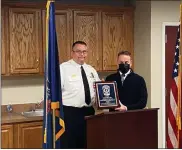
<point>106,94</point>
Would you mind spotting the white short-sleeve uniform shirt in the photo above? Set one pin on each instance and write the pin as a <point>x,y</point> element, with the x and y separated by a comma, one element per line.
<point>72,83</point>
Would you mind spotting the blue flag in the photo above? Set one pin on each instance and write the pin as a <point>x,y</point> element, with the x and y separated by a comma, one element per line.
<point>53,125</point>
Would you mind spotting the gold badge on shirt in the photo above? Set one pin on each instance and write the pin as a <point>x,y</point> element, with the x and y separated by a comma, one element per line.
<point>73,75</point>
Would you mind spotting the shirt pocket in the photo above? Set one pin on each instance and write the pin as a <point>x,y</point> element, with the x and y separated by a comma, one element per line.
<point>91,80</point>
<point>74,82</point>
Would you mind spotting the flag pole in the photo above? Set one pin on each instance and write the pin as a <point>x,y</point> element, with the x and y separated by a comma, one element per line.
<point>54,131</point>
<point>53,116</point>
<point>179,77</point>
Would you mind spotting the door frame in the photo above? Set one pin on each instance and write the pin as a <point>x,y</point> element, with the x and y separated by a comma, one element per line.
<point>164,24</point>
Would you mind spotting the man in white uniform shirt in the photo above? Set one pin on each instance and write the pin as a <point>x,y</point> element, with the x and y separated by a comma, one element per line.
<point>77,82</point>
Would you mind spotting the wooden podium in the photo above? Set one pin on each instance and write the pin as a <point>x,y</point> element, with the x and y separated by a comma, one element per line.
<point>135,129</point>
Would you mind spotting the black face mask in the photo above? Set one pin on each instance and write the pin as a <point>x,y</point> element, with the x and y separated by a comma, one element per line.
<point>124,68</point>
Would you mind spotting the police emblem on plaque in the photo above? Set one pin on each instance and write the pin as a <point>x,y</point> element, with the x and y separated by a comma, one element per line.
<point>106,94</point>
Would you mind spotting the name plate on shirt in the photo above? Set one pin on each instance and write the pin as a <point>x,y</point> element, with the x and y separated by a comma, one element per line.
<point>106,94</point>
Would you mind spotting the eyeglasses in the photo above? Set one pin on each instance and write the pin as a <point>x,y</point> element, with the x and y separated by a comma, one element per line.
<point>126,62</point>
<point>81,52</point>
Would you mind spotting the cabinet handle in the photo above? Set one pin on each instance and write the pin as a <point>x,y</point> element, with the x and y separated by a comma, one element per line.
<point>37,60</point>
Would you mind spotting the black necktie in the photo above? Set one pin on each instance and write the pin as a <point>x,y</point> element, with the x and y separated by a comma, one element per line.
<point>86,87</point>
<point>122,78</point>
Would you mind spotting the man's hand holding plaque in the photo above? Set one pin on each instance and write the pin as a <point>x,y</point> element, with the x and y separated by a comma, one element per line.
<point>121,108</point>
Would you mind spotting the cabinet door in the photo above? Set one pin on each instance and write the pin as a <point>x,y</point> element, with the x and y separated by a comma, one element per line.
<point>4,41</point>
<point>87,28</point>
<point>25,40</point>
<point>7,136</point>
<point>64,31</point>
<point>117,35</point>
<point>30,135</point>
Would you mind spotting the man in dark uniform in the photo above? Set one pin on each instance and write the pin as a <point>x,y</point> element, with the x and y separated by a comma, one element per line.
<point>131,87</point>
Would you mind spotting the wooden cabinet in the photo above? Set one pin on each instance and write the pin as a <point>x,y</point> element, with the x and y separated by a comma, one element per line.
<point>117,35</point>
<point>25,40</point>
<point>22,135</point>
<point>4,41</point>
<point>106,32</point>
<point>64,30</point>
<point>29,135</point>
<point>3,54</point>
<point>7,136</point>
<point>87,28</point>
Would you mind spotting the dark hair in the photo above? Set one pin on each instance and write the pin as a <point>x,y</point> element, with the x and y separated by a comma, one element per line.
<point>124,52</point>
<point>79,42</point>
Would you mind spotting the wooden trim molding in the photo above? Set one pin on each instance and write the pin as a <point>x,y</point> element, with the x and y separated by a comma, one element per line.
<point>59,5</point>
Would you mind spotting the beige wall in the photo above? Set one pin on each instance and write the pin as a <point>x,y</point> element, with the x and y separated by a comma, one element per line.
<point>142,40</point>
<point>148,43</point>
<point>17,90</point>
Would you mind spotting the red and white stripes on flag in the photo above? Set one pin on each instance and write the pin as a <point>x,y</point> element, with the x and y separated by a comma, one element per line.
<point>174,108</point>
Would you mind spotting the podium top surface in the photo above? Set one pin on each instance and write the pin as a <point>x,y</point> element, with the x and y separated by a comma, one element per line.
<point>119,112</point>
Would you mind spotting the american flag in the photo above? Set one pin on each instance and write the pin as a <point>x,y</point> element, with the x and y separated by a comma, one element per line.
<point>174,108</point>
